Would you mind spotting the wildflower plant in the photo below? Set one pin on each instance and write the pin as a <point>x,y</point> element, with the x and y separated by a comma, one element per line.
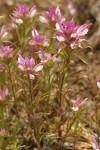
<point>22,13</point>
<point>37,75</point>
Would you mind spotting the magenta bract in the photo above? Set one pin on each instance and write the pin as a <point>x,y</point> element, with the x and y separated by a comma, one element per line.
<point>71,34</point>
<point>53,15</point>
<point>23,12</point>
<point>6,52</point>
<point>38,40</point>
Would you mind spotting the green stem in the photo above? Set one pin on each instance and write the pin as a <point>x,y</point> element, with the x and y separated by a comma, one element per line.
<point>2,116</point>
<point>11,81</point>
<point>61,87</point>
<point>30,91</point>
<point>31,97</point>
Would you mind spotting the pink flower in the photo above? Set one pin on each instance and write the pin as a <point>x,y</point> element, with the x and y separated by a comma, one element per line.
<point>6,52</point>
<point>3,93</point>
<point>2,131</point>
<point>38,40</point>
<point>25,64</point>
<point>29,65</point>
<point>2,67</point>
<point>52,16</point>
<point>23,12</point>
<point>70,34</point>
<point>78,103</point>
<point>46,57</point>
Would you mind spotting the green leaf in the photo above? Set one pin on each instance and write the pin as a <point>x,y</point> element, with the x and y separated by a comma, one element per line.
<point>81,57</point>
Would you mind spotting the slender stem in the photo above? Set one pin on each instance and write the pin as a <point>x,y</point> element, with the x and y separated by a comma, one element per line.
<point>2,116</point>
<point>61,82</point>
<point>36,141</point>
<point>31,97</point>
<point>97,121</point>
<point>11,81</point>
<point>61,87</point>
<point>12,87</point>
<point>49,85</point>
<point>30,91</point>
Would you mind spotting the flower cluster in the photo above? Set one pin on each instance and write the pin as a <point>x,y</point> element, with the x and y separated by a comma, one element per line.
<point>38,40</point>
<point>29,65</point>
<point>23,12</point>
<point>47,57</point>
<point>71,34</point>
<point>6,52</point>
<point>52,16</point>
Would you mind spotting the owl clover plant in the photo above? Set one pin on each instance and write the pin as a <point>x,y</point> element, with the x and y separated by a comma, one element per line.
<point>35,74</point>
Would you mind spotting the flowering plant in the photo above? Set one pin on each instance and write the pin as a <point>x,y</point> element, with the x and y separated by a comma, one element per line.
<point>23,12</point>
<point>70,34</point>
<point>37,71</point>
